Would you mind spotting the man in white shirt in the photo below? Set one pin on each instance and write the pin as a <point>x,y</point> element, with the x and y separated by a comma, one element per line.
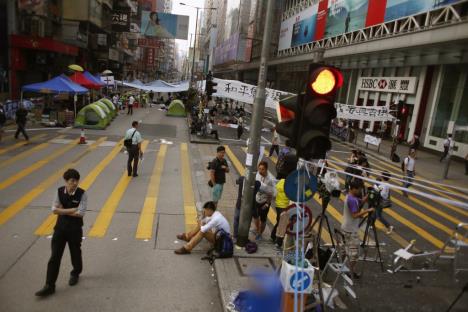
<point>131,100</point>
<point>212,222</point>
<point>263,198</point>
<point>447,145</point>
<point>409,165</point>
<point>134,152</point>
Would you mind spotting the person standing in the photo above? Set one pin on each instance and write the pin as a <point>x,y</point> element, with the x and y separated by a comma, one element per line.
<point>409,165</point>
<point>2,120</point>
<point>263,198</point>
<point>21,119</point>
<point>448,142</point>
<point>134,151</point>
<point>131,101</point>
<point>70,205</point>
<point>281,204</point>
<point>218,169</point>
<point>240,127</point>
<point>352,214</point>
<point>274,143</point>
<point>151,95</point>
<point>414,143</point>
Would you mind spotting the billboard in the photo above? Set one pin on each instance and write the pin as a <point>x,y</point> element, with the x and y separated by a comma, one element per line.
<point>345,16</point>
<point>396,9</point>
<point>228,50</point>
<point>298,29</point>
<point>164,25</point>
<point>121,20</point>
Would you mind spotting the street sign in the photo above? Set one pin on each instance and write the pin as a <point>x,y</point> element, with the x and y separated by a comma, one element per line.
<point>300,281</point>
<point>308,186</point>
<point>298,222</point>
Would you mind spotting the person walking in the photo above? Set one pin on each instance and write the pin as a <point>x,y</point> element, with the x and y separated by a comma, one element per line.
<point>448,142</point>
<point>2,120</point>
<point>408,166</point>
<point>218,168</point>
<point>274,143</point>
<point>240,127</point>
<point>131,101</point>
<point>263,198</point>
<point>134,149</point>
<point>21,119</point>
<point>384,200</point>
<point>70,205</point>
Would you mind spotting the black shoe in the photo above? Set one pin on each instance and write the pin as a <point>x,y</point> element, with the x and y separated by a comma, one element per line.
<point>129,174</point>
<point>73,280</point>
<point>46,291</point>
<point>135,175</point>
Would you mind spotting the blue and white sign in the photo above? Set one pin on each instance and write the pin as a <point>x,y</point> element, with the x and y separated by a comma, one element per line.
<point>300,281</point>
<point>301,183</point>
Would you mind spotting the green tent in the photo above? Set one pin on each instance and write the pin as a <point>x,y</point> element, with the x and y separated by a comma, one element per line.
<point>176,109</point>
<point>92,116</point>
<point>111,106</point>
<point>106,110</point>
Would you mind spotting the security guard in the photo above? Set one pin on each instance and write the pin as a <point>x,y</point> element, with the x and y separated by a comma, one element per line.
<point>70,205</point>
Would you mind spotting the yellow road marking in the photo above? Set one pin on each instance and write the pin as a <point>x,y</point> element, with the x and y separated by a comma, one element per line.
<point>25,200</point>
<point>17,145</point>
<point>37,165</point>
<point>46,228</point>
<point>145,224</point>
<point>235,161</point>
<point>104,217</point>
<point>190,210</point>
<point>27,153</point>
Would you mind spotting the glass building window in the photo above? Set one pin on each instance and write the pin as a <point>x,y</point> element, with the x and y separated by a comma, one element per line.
<point>462,116</point>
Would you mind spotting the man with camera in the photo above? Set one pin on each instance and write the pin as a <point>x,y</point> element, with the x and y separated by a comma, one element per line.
<point>352,214</point>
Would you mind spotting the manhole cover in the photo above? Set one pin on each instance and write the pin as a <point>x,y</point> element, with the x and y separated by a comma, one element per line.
<point>247,265</point>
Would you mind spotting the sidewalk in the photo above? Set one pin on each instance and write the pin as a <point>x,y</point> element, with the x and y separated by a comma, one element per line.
<point>427,163</point>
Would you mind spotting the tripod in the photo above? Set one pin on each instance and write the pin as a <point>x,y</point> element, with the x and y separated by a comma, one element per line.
<point>320,218</point>
<point>370,218</point>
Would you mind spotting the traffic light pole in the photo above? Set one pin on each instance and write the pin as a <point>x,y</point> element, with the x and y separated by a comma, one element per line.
<point>254,138</point>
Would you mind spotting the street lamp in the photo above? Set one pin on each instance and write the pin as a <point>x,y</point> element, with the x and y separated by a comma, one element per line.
<point>195,41</point>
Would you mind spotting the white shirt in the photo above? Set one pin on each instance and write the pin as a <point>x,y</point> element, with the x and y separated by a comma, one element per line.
<point>115,99</point>
<point>217,221</point>
<point>409,163</point>
<point>448,142</point>
<point>267,188</point>
<point>131,99</point>
<point>275,139</point>
<point>383,189</point>
<point>136,138</point>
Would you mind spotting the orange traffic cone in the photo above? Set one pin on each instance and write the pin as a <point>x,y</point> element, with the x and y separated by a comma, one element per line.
<point>82,137</point>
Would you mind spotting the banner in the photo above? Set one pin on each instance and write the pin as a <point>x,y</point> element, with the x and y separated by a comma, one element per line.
<point>372,140</point>
<point>400,8</point>
<point>243,92</point>
<point>345,16</point>
<point>164,25</point>
<point>149,56</point>
<point>405,85</point>
<point>298,29</point>
<point>121,20</point>
<point>366,113</point>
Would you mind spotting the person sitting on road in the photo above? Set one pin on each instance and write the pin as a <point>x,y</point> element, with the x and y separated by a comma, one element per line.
<point>211,222</point>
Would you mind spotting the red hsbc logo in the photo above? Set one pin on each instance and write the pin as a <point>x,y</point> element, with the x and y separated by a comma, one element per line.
<point>382,84</point>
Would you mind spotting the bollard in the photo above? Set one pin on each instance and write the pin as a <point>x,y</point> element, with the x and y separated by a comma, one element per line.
<point>82,137</point>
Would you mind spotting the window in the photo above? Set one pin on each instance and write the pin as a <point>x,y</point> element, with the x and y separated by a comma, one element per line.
<point>462,117</point>
<point>445,102</point>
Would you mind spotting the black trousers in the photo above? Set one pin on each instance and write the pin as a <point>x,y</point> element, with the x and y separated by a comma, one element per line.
<point>240,130</point>
<point>133,155</point>
<point>446,150</point>
<point>21,128</point>
<point>130,110</point>
<point>279,211</point>
<point>59,240</point>
<point>273,148</point>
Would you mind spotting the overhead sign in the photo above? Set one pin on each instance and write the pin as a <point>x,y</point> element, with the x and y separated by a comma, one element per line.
<point>150,42</point>
<point>405,85</point>
<point>164,25</point>
<point>121,20</point>
<point>366,113</point>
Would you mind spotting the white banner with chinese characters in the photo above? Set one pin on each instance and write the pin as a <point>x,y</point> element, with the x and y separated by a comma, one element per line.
<point>372,140</point>
<point>244,92</point>
<point>405,85</point>
<point>367,113</point>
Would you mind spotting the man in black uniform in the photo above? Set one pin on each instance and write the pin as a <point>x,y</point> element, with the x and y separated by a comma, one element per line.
<point>21,118</point>
<point>70,205</point>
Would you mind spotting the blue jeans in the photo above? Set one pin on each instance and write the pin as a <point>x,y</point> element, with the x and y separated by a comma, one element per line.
<point>409,178</point>
<point>217,192</point>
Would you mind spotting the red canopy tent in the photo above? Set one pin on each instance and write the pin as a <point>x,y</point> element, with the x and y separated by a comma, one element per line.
<point>81,79</point>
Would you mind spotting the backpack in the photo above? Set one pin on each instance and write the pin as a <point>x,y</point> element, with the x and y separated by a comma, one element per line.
<point>128,142</point>
<point>224,246</point>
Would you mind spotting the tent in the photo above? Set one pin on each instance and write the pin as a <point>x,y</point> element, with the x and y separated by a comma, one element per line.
<point>96,80</point>
<point>110,105</point>
<point>82,80</point>
<point>176,109</point>
<point>92,117</point>
<point>106,110</point>
<point>56,85</point>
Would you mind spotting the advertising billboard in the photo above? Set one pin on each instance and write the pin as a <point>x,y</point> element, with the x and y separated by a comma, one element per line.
<point>400,8</point>
<point>228,50</point>
<point>164,25</point>
<point>298,29</point>
<point>345,16</point>
<point>121,20</point>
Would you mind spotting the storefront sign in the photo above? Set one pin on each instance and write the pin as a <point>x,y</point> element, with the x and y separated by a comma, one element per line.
<point>102,39</point>
<point>150,56</point>
<point>388,84</point>
<point>121,20</point>
<point>113,54</point>
<point>150,42</point>
<point>366,113</point>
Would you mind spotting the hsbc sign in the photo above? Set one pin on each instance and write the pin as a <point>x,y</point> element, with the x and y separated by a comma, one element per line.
<point>388,84</point>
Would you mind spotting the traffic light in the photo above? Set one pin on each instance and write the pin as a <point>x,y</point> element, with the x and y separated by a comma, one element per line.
<point>210,86</point>
<point>314,109</point>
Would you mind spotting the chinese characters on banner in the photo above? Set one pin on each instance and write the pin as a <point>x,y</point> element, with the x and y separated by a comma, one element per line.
<point>243,92</point>
<point>149,56</point>
<point>150,42</point>
<point>368,113</point>
<point>121,20</point>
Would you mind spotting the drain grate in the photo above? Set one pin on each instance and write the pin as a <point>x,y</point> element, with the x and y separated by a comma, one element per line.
<point>248,264</point>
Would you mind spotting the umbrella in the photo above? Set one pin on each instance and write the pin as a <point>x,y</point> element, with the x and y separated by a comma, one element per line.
<point>107,72</point>
<point>75,67</point>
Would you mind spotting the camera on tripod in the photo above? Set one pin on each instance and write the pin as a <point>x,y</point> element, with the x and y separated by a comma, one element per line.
<point>373,197</point>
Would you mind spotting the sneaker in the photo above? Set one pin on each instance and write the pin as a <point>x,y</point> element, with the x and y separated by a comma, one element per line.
<point>181,251</point>
<point>258,237</point>
<point>390,230</point>
<point>135,175</point>
<point>47,290</point>
<point>73,280</point>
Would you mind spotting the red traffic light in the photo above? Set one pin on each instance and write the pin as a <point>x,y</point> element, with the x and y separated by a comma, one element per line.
<point>325,80</point>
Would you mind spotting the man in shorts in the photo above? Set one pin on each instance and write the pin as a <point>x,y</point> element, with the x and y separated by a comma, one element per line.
<point>218,169</point>
<point>352,214</point>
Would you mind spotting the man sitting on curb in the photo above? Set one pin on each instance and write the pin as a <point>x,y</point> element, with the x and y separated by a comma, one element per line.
<point>213,221</point>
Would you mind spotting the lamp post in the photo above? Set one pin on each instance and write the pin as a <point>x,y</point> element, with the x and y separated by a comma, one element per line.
<point>195,40</point>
